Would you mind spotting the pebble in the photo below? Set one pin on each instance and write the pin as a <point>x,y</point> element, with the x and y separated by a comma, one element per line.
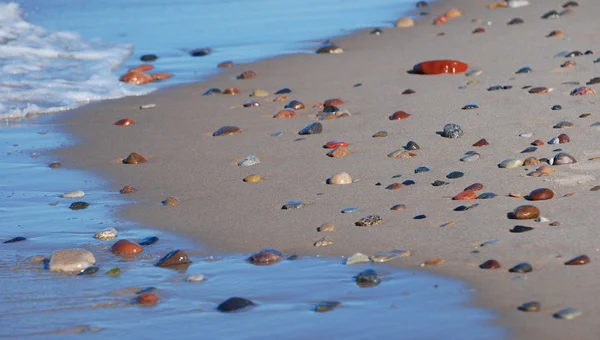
<point>249,160</point>
<point>330,49</point>
<point>419,217</point>
<point>474,187</point>
<point>323,242</point>
<point>556,107</point>
<point>452,131</point>
<point>349,210</point>
<point>54,165</point>
<point>455,175</point>
<point>490,242</point>
<point>510,163</point>
<point>409,91</point>
<point>231,91</point>
<point>171,201</point>
<point>474,73</point>
<point>551,15</point>
<point>367,278</point>
<point>247,75</point>
<point>478,30</point>
<point>134,158</point>
<point>563,138</point>
<point>540,194</point>
<point>568,313</point>
<point>113,271</point>
<point>128,189</point>
<point>124,122</point>
<point>398,207</point>
<point>570,4</point>
<point>486,195</point>
<point>125,247</point>
<point>266,256</point>
<point>357,258</point>
<point>227,131</point>
<point>399,153</point>
<point>79,205</point>
<point>582,91</point>
<point>440,67</point>
<point>539,90</point>
<point>432,262</point>
<point>295,105</point>
<point>147,298</point>
<point>517,3</point>
<point>399,115</point>
<point>312,128</point>
<point>286,113</point>
<point>525,134</point>
<point>554,141</point>
<point>195,278</point>
<point>200,52</point>
<point>422,4</point>
<point>252,103</point>
<point>520,229</point>
<point>411,145</point>
<point>394,186</point>
<point>470,156</point>
<point>555,34</point>
<point>335,143</point>
<point>173,259</point>
<point>71,260</point>
<point>470,107</point>
<point>490,264</point>
<point>384,256</point>
<point>521,268</point>
<point>107,234</point>
<point>481,142</point>
<point>326,227</point>
<point>380,134</point>
<point>235,304</point>
<point>89,271</point>
<point>211,91</point>
<point>292,205</point>
<point>578,261</point>
<point>15,240</point>
<point>146,241</point>
<point>148,57</point>
<point>541,219</point>
<point>530,306</point>
<point>405,22</point>
<point>369,221</point>
<point>338,152</point>
<point>526,212</point>
<point>421,169</point>
<point>465,195</point>
<point>563,125</point>
<point>595,188</point>
<point>225,64</point>
<point>563,158</point>
<point>254,178</point>
<point>529,149</point>
<point>340,178</point>
<point>326,306</point>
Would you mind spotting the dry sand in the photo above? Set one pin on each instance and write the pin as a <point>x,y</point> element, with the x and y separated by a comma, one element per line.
<point>226,214</point>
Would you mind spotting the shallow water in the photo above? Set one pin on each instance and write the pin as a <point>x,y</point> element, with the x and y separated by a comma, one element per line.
<point>37,303</point>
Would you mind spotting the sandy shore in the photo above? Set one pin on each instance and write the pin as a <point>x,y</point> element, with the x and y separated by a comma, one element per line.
<point>226,214</point>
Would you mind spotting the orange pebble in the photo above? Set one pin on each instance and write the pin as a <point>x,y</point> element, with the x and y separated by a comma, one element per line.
<point>147,298</point>
<point>141,68</point>
<point>161,76</point>
<point>440,20</point>
<point>126,247</point>
<point>136,78</point>
<point>333,102</point>
<point>124,122</point>
<point>465,195</point>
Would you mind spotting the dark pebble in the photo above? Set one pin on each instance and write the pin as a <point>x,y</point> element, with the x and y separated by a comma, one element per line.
<point>588,52</point>
<point>284,90</point>
<point>148,241</point>
<point>578,261</point>
<point>397,175</point>
<point>531,306</point>
<point>419,217</point>
<point>470,107</point>
<point>422,4</point>
<point>486,195</point>
<point>326,306</point>
<point>16,239</point>
<point>551,15</point>
<point>520,229</point>
<point>175,259</point>
<point>367,278</point>
<point>529,149</point>
<point>523,267</point>
<point>455,175</point>
<point>200,52</point>
<point>421,169</point>
<point>312,128</point>
<point>330,108</point>
<point>439,183</point>
<point>490,264</point>
<point>412,146</point>
<point>461,208</point>
<point>525,69</point>
<point>452,131</point>
<point>409,91</point>
<point>78,205</point>
<point>594,81</point>
<point>376,31</point>
<point>357,85</point>
<point>556,107</point>
<point>147,290</point>
<point>515,21</point>
<point>235,304</point>
<point>574,54</point>
<point>408,182</point>
<point>148,57</point>
<point>89,271</point>
<point>211,91</point>
<point>378,184</point>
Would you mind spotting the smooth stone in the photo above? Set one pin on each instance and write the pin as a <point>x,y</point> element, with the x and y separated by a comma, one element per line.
<point>551,15</point>
<point>247,75</point>
<point>231,91</point>
<point>211,91</point>
<point>419,217</point>
<point>312,128</point>
<point>367,278</point>
<point>249,160</point>
<point>525,69</point>
<point>471,156</point>
<point>474,187</point>
<point>523,267</point>
<point>126,247</point>
<point>380,134</point>
<point>412,146</point>
<point>89,271</point>
<point>421,169</point>
<point>520,229</point>
<point>399,153</point>
<point>259,93</point>
<point>563,139</point>
<point>541,219</point>
<point>326,306</point>
<point>438,183</point>
<point>515,21</point>
<point>330,49</point>
<point>340,151</point>
<point>357,258</point>
<point>540,194</point>
<point>73,194</point>
<point>452,131</point>
<point>335,143</point>
<point>455,175</point>
<point>195,278</point>
<point>490,264</point>
<point>517,3</point>
<point>284,90</point>
<point>134,158</point>
<point>349,210</point>
<point>295,105</point>
<point>539,90</point>
<point>323,242</point>
<point>79,205</point>
<point>375,31</point>
<point>235,304</point>
<point>266,256</point>
<point>340,178</point>
<point>200,52</point>
<point>174,258</point>
<point>525,134</point>
<point>252,103</point>
<point>398,207</point>
<point>148,57</point>
<point>582,91</point>
<point>383,256</point>
<point>530,306</point>
<point>490,242</point>
<point>326,227</point>
<point>556,107</point>
<point>405,22</point>
<point>568,313</point>
<point>564,124</point>
<point>369,221</point>
<point>465,195</point>
<point>440,67</point>
<point>254,178</point>
<point>292,205</point>
<point>71,260</point>
<point>146,241</point>
<point>124,122</point>
<point>510,163</point>
<point>529,149</point>
<point>409,91</point>
<point>107,234</point>
<point>470,107</point>
<point>399,115</point>
<point>54,165</point>
<point>432,262</point>
<point>554,141</point>
<point>225,64</point>
<point>171,201</point>
<point>227,131</point>
<point>578,261</point>
<point>15,240</point>
<point>563,158</point>
<point>474,73</point>
<point>486,195</point>
<point>526,212</point>
<point>394,186</point>
<point>113,271</point>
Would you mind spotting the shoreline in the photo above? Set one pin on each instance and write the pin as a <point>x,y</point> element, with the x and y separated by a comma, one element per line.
<point>383,61</point>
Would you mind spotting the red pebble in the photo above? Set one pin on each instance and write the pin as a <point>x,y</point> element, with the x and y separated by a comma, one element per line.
<point>147,298</point>
<point>124,122</point>
<point>537,142</point>
<point>399,115</point>
<point>481,142</point>
<point>126,247</point>
<point>465,195</point>
<point>563,138</point>
<point>478,30</point>
<point>490,264</point>
<point>440,67</point>
<point>333,102</point>
<point>474,187</point>
<point>578,261</point>
<point>335,143</point>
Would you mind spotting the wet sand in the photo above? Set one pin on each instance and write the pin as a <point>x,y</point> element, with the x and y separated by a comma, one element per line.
<point>226,214</point>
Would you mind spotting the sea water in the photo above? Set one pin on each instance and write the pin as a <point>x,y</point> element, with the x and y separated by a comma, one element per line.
<point>57,55</point>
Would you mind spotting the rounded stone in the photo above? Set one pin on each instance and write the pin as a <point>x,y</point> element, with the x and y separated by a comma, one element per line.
<point>405,22</point>
<point>380,134</point>
<point>526,212</point>
<point>440,67</point>
<point>134,158</point>
<point>340,151</point>
<point>146,241</point>
<point>357,258</point>
<point>128,189</point>
<point>227,131</point>
<point>79,205</point>
<point>225,64</point>
<point>520,229</point>
<point>125,247</point>
<point>259,93</point>
<point>465,195</point>
<point>340,178</point>
<point>71,260</point>
<point>247,75</point>
<point>540,194</point>
<point>292,205</point>
<point>490,264</point>
<point>563,158</point>
<point>398,207</point>
<point>124,122</point>
<point>171,201</point>
<point>369,221</point>
<point>200,52</point>
<point>510,163</point>
<point>231,91</point>
<point>326,227</point>
<point>474,187</point>
<point>525,69</point>
<point>249,160</point>
<point>330,49</point>
<point>452,131</point>
<point>530,306</point>
<point>568,313</point>
<point>89,271</point>
<point>323,242</point>
<point>235,304</point>
<point>455,175</point>
<point>147,298</point>
<point>173,259</point>
<point>312,128</point>
<point>578,261</point>
<point>195,278</point>
<point>367,278</point>
<point>149,57</point>
<point>399,115</point>
<point>254,178</point>
<point>523,267</point>
<point>481,142</point>
<point>73,194</point>
<point>265,257</point>
<point>286,113</point>
<point>55,165</point>
<point>326,306</point>
<point>107,234</point>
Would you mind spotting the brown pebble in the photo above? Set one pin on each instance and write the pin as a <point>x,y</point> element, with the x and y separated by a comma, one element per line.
<point>399,115</point>
<point>227,130</point>
<point>174,259</point>
<point>474,187</point>
<point>134,158</point>
<point>570,4</point>
<point>380,134</point>
<point>538,90</point>
<point>531,161</point>
<point>554,224</point>
<point>409,91</point>
<point>171,201</point>
<point>526,212</point>
<point>540,194</point>
<point>537,142</point>
<point>555,34</point>
<point>54,165</point>
<point>124,122</point>
<point>286,113</point>
<point>546,169</point>
<point>125,247</point>
<point>333,102</point>
<point>231,91</point>
<point>516,195</point>
<point>433,262</point>
<point>147,298</point>
<point>578,261</point>
<point>340,151</point>
<point>225,64</point>
<point>563,138</point>
<point>128,189</point>
<point>585,115</point>
<point>398,207</point>
<point>395,186</point>
<point>295,104</point>
<point>478,30</point>
<point>481,142</point>
<point>247,75</point>
<point>465,195</point>
<point>265,257</point>
<point>326,227</point>
<point>596,188</point>
<point>490,264</point>
<point>281,98</point>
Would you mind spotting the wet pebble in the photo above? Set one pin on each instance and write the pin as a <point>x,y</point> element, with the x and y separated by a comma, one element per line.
<point>200,52</point>
<point>540,194</point>
<point>340,151</point>
<point>254,178</point>
<point>474,187</point>
<point>128,189</point>
<point>89,271</point>
<point>79,205</point>
<point>367,278</point>
<point>411,145</point>
<point>71,260</point>
<point>148,57</point>
<point>175,259</point>
<point>582,91</point>
<point>564,124</point>
<point>211,91</point>
<point>15,240</point>
<point>232,91</point>
<point>330,49</point>
<point>526,212</point>
<point>578,261</point>
<point>551,15</point>
<point>235,304</point>
<point>195,278</point>
<point>529,149</point>
<point>326,306</point>
<point>539,90</point>
<point>521,268</point>
<point>376,31</point>
<point>409,91</point>
<point>357,258</point>
<point>455,175</point>
<point>465,195</point>
<point>286,113</point>
<point>419,217</point>
<point>438,183</point>
<point>126,247</point>
<point>107,234</point>
<point>369,221</point>
<point>146,241</point>
<point>124,122</point>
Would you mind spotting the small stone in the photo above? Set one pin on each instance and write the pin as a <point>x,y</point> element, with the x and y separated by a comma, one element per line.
<point>539,90</point>
<point>525,134</point>
<point>438,183</point>
<point>369,221</point>
<point>394,186</point>
<point>531,306</point>
<point>551,15</point>
<point>383,256</point>
<point>525,69</point>
<point>556,107</point>
<point>107,234</point>
<point>474,73</point>
<point>563,158</point>
<point>71,260</point>
<point>490,264</point>
<point>134,158</point>
<point>465,195</point>
<point>432,262</point>
<point>529,149</point>
<point>124,122</point>
<point>312,128</point>
<point>490,242</point>
<point>521,268</point>
<point>173,259</point>
<point>409,182</point>
<point>323,242</point>
<point>225,64</point>
<point>568,63</point>
<point>398,207</point>
<point>195,278</point>
<point>520,229</point>
<point>147,298</point>
<point>212,91</point>
<point>422,4</point>
<point>526,212</point>
<point>292,205</point>
<point>409,91</point>
<point>227,131</point>
<point>200,52</point>
<point>486,195</point>
<point>15,240</point>
<point>335,143</point>
<point>452,131</point>
<point>113,271</point>
<point>54,165</point>
<point>510,163</point>
<point>582,91</point>
<point>286,113</point>
<point>405,22</point>
<point>235,304</point>
<point>419,217</point>
<point>171,201</point>
<point>89,271</point>
<point>537,142</point>
<point>128,189</point>
<point>349,210</point>
<point>367,278</point>
<point>563,125</point>
<point>399,153</point>
<point>326,306</point>
<point>421,169</point>
<point>474,187</point>
<point>470,156</point>
<point>340,178</point>
<point>266,257</point>
<point>540,194</point>
<point>470,107</point>
<point>568,313</point>
<point>554,224</point>
<point>411,145</point>
<point>357,258</point>
<point>249,160</point>
<point>399,115</point>
<point>78,205</point>
<point>125,247</point>
<point>481,142</point>
<point>478,30</point>
<point>146,241</point>
<point>595,188</point>
<point>330,49</point>
<point>555,34</point>
<point>295,105</point>
<point>148,57</point>
<point>340,151</point>
<point>578,261</point>
<point>541,219</point>
<point>254,178</point>
<point>247,75</point>
<point>326,227</point>
<point>252,103</point>
<point>380,134</point>
<point>570,4</point>
<point>455,175</point>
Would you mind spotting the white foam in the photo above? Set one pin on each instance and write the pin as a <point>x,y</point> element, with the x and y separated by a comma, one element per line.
<point>43,72</point>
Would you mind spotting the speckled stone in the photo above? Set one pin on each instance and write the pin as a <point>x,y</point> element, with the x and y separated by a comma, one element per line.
<point>311,129</point>
<point>380,134</point>
<point>249,160</point>
<point>71,260</point>
<point>369,221</point>
<point>107,234</point>
<point>452,131</point>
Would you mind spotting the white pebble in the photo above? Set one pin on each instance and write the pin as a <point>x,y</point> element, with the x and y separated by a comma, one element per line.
<point>73,194</point>
<point>526,134</point>
<point>147,106</point>
<point>541,219</point>
<point>107,234</point>
<point>554,140</point>
<point>517,3</point>
<point>196,278</point>
<point>250,160</point>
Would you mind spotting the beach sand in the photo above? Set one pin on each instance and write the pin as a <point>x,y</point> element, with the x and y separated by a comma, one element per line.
<point>226,214</point>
